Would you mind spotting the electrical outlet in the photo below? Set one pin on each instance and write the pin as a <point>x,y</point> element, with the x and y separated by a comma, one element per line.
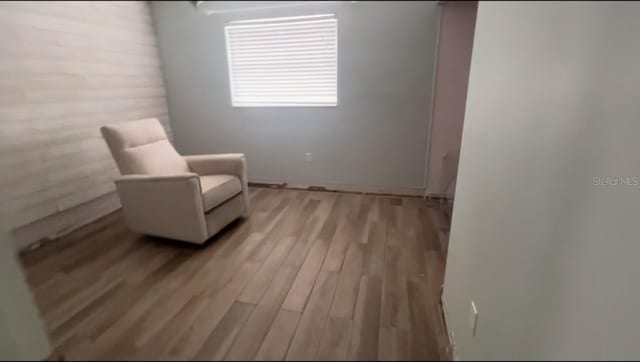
<point>307,157</point>
<point>473,318</point>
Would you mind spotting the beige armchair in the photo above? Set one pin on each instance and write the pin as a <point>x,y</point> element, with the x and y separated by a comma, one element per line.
<point>186,198</point>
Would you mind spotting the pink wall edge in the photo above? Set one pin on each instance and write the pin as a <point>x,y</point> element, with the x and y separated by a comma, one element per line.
<point>455,44</point>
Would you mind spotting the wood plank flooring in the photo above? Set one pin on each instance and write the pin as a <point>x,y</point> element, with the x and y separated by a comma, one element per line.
<point>310,275</point>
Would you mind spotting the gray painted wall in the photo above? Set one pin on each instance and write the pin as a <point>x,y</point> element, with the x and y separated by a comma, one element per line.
<point>22,332</point>
<point>550,259</point>
<point>377,136</point>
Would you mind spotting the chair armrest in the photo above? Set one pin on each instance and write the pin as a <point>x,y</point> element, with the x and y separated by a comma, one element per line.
<point>223,163</point>
<point>167,205</point>
<point>156,178</point>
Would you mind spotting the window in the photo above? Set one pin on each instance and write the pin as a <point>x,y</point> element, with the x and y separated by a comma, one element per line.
<point>283,61</point>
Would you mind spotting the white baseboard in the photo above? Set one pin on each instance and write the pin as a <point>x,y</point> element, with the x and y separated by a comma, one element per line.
<point>57,225</point>
<point>438,196</point>
<point>397,191</point>
<point>450,334</point>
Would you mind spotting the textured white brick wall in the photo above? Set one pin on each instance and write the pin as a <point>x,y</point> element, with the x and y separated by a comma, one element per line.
<point>66,68</point>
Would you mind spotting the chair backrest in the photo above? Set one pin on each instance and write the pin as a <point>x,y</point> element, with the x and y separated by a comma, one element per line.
<point>142,147</point>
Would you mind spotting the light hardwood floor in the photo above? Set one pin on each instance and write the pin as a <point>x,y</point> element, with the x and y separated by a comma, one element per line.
<point>310,275</point>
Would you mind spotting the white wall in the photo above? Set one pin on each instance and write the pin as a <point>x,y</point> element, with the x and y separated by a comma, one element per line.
<point>550,259</point>
<point>377,136</point>
<point>22,333</point>
<point>66,68</point>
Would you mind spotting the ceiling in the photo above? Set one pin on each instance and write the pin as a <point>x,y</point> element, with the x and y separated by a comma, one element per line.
<point>221,7</point>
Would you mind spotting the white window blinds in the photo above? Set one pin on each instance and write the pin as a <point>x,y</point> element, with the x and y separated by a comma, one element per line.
<point>283,61</point>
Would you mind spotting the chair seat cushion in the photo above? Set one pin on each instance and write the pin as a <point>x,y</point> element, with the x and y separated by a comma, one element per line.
<point>217,189</point>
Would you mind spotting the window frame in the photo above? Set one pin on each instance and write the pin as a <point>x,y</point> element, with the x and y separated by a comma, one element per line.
<point>230,72</point>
